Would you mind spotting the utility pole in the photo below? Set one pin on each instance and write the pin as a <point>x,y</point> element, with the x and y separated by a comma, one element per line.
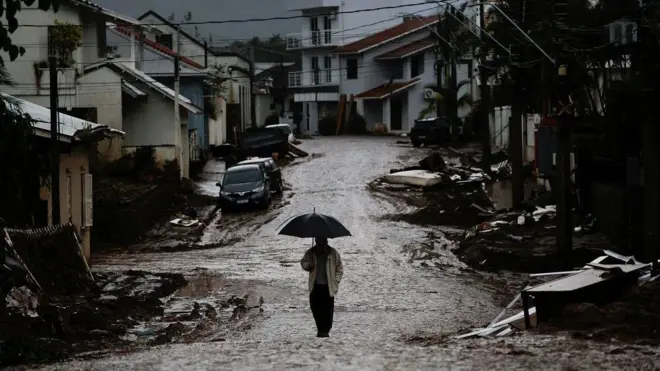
<point>253,97</point>
<point>650,134</point>
<point>485,96</point>
<point>54,141</point>
<point>178,143</point>
<point>439,68</point>
<point>206,55</point>
<point>516,131</point>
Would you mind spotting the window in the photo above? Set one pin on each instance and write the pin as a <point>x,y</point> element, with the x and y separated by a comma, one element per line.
<point>165,40</point>
<point>417,65</point>
<point>327,65</point>
<point>316,74</point>
<point>314,27</point>
<point>327,30</point>
<point>352,68</point>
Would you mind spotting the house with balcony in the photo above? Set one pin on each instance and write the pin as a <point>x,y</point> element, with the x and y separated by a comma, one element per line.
<point>327,25</point>
<point>95,97</point>
<point>236,110</point>
<point>391,74</point>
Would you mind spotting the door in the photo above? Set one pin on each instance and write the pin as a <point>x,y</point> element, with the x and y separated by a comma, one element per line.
<point>396,114</point>
<point>316,73</point>
<point>327,67</point>
<point>316,34</point>
<point>327,30</point>
<point>233,122</point>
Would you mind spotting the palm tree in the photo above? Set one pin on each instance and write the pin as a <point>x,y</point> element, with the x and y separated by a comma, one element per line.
<point>456,43</point>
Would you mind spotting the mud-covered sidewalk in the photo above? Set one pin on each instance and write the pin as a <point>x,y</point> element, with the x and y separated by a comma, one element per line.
<point>399,304</point>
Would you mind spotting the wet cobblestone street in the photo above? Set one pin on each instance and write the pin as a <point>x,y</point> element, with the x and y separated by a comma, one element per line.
<point>383,299</point>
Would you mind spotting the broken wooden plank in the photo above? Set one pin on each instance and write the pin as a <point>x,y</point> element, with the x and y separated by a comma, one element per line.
<point>554,273</point>
<point>507,331</point>
<point>499,316</point>
<point>297,151</point>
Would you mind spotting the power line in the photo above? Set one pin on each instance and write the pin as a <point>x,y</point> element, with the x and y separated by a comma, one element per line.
<point>267,19</point>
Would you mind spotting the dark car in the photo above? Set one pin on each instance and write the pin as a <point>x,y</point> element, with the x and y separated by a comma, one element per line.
<point>244,185</point>
<point>430,131</point>
<point>271,169</point>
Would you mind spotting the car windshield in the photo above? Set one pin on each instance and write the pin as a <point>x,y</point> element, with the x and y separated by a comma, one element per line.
<point>241,176</point>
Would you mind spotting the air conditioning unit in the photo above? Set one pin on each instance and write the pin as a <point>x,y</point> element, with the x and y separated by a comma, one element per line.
<point>429,93</point>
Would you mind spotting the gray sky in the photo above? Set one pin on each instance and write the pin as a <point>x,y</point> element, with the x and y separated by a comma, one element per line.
<point>215,10</point>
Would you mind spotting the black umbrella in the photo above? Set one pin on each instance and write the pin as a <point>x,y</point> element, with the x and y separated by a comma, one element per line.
<point>313,225</point>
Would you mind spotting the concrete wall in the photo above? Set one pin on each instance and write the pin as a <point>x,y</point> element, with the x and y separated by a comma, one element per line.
<point>73,167</point>
<point>35,42</point>
<point>150,122</point>
<point>263,103</point>
<point>218,127</point>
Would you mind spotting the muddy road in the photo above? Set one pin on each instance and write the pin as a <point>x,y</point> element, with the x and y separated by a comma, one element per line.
<point>390,312</point>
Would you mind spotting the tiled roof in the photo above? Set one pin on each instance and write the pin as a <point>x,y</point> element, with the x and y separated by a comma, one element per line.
<point>408,49</point>
<point>385,90</point>
<point>158,47</point>
<point>389,34</point>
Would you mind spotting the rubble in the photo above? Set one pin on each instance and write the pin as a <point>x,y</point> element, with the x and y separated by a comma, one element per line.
<point>599,295</point>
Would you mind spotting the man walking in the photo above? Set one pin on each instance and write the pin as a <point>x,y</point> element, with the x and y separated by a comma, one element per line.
<point>325,273</point>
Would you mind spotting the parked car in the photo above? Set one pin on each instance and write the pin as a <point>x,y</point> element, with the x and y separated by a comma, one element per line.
<point>285,129</point>
<point>430,131</point>
<point>244,185</point>
<point>271,169</point>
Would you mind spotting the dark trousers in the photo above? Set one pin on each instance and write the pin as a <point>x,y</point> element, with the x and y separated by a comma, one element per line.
<point>323,307</point>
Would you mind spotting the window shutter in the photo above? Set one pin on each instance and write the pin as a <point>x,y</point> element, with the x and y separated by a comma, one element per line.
<point>88,201</point>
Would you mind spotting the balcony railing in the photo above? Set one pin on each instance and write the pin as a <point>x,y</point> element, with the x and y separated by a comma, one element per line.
<point>313,78</point>
<point>312,39</point>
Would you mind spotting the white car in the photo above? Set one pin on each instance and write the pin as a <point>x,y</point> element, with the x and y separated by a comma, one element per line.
<point>284,128</point>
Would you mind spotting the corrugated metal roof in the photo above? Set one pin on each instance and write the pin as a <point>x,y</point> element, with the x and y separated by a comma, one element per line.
<point>183,101</point>
<point>387,35</point>
<point>69,126</point>
<point>132,90</point>
<point>385,90</point>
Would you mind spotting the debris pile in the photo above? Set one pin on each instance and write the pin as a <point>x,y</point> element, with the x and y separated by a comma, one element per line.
<point>448,192</point>
<point>604,293</point>
<point>524,241</point>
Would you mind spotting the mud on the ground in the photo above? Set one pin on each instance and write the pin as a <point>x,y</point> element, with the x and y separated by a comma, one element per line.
<point>633,318</point>
<point>131,311</point>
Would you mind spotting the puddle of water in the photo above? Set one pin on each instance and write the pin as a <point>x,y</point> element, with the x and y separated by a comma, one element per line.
<point>212,173</point>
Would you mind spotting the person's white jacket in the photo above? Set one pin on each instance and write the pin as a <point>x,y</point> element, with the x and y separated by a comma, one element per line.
<point>334,269</point>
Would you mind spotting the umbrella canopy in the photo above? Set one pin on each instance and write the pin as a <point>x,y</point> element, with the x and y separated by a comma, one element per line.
<point>313,225</point>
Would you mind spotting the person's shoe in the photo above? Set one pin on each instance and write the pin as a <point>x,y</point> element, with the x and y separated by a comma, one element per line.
<point>323,335</point>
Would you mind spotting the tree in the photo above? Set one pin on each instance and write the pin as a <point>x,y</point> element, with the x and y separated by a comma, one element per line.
<point>10,8</point>
<point>456,42</point>
<point>22,166</point>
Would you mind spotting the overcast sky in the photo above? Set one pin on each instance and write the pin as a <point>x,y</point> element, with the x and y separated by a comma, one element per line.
<point>215,10</point>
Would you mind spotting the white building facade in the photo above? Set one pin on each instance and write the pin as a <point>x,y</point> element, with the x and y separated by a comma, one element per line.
<point>325,26</point>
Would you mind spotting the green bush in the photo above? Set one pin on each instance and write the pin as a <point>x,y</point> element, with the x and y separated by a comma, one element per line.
<point>272,119</point>
<point>356,125</point>
<point>328,125</point>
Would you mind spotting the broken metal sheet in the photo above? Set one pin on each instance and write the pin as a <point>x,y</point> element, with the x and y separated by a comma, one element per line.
<point>515,318</point>
<point>554,273</point>
<point>507,331</point>
<point>582,279</point>
<point>499,316</point>
<point>625,259</point>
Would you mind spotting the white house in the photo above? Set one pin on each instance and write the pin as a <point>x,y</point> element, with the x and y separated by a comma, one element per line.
<point>148,114</point>
<point>391,74</point>
<point>326,25</point>
<point>96,97</point>
<point>237,67</point>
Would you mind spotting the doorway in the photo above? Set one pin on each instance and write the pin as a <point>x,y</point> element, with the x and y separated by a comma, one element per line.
<point>396,111</point>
